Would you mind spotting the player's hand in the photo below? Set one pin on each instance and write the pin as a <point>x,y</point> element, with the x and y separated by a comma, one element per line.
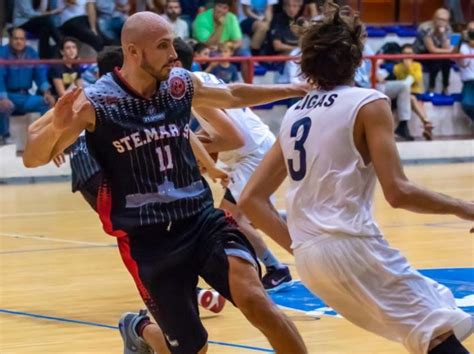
<point>216,173</point>
<point>6,106</point>
<point>59,160</point>
<point>49,99</point>
<point>64,111</point>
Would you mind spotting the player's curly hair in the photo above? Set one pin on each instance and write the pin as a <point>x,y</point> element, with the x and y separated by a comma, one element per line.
<point>332,49</point>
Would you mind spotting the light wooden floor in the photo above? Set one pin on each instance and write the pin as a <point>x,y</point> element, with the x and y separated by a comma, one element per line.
<point>63,287</point>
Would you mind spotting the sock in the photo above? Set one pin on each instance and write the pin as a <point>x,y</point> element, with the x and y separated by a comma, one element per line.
<point>450,346</point>
<point>270,260</point>
<point>141,326</point>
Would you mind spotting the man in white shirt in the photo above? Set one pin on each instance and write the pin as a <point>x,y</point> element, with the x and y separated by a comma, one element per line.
<point>172,13</point>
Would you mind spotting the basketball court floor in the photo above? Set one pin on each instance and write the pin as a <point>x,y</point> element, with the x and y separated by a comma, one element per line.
<point>63,286</point>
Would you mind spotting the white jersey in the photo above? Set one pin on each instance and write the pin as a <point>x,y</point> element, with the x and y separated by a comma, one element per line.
<point>330,188</point>
<point>247,122</point>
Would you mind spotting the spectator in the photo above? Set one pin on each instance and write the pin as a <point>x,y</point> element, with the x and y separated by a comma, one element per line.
<point>284,40</point>
<point>259,17</point>
<point>39,23</point>
<point>79,20</point>
<point>409,68</point>
<point>395,89</point>
<point>191,8</point>
<point>66,76</point>
<point>434,37</point>
<point>218,25</point>
<point>201,50</point>
<point>111,17</point>
<point>17,80</point>
<point>157,6</point>
<point>292,70</point>
<point>224,70</point>
<point>455,9</point>
<point>467,72</point>
<point>172,13</point>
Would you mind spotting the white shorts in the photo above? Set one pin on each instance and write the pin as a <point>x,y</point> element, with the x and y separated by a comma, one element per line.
<point>373,286</point>
<point>242,167</point>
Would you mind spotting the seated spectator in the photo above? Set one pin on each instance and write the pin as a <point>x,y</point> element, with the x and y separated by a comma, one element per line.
<point>284,40</point>
<point>257,24</point>
<point>201,50</point>
<point>434,37</point>
<point>409,68</point>
<point>466,67</point>
<point>172,13</point>
<point>218,25</point>
<point>17,80</point>
<point>224,70</point>
<point>78,20</point>
<point>65,76</point>
<point>395,89</point>
<point>192,8</point>
<point>39,23</point>
<point>292,70</point>
<point>455,9</point>
<point>111,17</point>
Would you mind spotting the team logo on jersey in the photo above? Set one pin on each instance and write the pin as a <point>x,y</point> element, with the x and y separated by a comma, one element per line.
<point>152,115</point>
<point>459,280</point>
<point>177,87</point>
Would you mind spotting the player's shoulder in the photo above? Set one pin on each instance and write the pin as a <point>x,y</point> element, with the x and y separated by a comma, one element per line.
<point>179,84</point>
<point>355,94</point>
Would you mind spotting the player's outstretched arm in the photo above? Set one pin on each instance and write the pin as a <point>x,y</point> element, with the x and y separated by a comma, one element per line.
<point>243,95</point>
<point>58,128</point>
<point>255,198</point>
<point>224,135</point>
<point>377,124</point>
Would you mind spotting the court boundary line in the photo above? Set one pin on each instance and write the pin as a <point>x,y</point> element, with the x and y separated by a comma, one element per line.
<point>52,239</point>
<point>44,213</point>
<point>95,324</point>
<point>37,250</point>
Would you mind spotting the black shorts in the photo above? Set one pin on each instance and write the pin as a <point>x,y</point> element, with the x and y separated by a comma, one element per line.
<point>90,189</point>
<point>170,258</point>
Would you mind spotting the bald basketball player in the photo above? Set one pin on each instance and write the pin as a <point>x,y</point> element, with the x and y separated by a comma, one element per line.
<point>137,129</point>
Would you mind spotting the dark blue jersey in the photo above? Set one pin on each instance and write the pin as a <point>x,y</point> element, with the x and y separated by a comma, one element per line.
<point>83,165</point>
<point>143,148</point>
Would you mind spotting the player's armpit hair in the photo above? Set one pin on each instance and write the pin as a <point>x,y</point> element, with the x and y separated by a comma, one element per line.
<point>332,49</point>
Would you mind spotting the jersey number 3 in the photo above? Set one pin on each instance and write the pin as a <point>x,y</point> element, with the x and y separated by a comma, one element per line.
<point>305,125</point>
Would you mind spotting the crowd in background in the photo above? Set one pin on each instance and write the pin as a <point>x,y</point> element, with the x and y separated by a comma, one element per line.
<point>224,28</point>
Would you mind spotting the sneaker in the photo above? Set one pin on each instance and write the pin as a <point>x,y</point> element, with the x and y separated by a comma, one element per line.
<point>403,132</point>
<point>133,344</point>
<point>211,300</point>
<point>277,279</point>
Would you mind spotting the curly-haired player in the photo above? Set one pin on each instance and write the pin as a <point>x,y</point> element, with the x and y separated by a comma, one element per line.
<point>333,145</point>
